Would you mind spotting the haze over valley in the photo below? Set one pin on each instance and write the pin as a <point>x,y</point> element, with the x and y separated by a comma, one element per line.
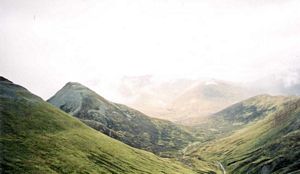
<point>150,87</point>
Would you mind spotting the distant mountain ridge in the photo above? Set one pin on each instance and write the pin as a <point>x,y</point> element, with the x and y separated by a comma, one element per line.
<point>121,122</point>
<point>206,98</point>
<point>181,100</point>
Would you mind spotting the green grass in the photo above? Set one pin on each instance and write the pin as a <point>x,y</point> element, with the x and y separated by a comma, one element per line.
<point>38,138</point>
<point>121,122</point>
<point>238,116</point>
<point>270,145</point>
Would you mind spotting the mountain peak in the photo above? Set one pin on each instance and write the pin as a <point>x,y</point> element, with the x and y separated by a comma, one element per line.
<point>47,131</point>
<point>117,120</point>
<point>74,85</point>
<point>73,96</point>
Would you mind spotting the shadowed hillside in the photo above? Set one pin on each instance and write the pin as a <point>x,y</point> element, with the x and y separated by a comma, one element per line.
<point>121,122</point>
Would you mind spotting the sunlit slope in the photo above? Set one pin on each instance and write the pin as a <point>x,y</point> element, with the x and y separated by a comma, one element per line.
<point>239,115</point>
<point>121,122</point>
<point>269,145</point>
<point>38,138</point>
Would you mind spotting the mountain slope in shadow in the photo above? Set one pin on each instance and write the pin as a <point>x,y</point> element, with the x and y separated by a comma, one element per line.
<point>121,122</point>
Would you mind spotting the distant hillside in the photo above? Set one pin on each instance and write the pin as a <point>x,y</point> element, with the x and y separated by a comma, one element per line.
<point>204,99</point>
<point>267,143</point>
<point>121,122</point>
<point>239,115</point>
<point>151,96</point>
<point>180,100</point>
<point>39,138</point>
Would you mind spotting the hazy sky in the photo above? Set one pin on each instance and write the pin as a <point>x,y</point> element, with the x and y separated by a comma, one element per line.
<point>44,44</point>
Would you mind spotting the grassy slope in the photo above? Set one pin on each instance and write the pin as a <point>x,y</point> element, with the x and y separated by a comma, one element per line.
<point>238,116</point>
<point>121,122</point>
<point>38,138</point>
<point>270,145</point>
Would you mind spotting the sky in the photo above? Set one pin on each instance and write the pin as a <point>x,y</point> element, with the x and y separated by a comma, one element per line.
<point>47,43</point>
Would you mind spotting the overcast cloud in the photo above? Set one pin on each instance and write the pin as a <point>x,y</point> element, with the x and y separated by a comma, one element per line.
<point>45,44</point>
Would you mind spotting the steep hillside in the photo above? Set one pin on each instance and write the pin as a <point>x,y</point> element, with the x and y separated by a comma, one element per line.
<point>238,116</point>
<point>39,138</point>
<point>269,145</point>
<point>121,122</point>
